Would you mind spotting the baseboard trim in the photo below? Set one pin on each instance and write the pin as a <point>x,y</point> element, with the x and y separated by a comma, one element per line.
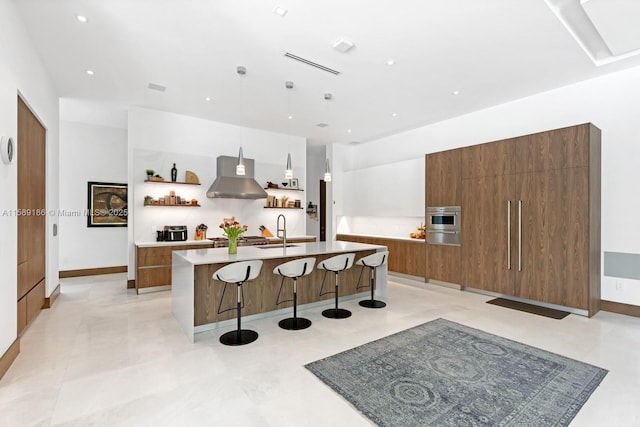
<point>48,301</point>
<point>92,271</point>
<point>620,308</point>
<point>9,356</point>
<point>131,284</point>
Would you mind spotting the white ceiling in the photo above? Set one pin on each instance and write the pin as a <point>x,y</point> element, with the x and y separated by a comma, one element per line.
<point>491,51</point>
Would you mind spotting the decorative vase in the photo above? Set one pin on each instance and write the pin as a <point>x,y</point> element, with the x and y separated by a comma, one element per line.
<point>233,244</point>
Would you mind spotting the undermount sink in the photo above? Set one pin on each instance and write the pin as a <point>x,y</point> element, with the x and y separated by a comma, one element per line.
<point>274,246</point>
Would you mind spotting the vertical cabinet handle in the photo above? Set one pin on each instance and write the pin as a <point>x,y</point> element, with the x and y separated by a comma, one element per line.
<point>519,235</point>
<point>508,234</point>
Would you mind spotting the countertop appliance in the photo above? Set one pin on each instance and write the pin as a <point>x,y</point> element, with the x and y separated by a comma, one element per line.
<point>223,242</point>
<point>175,233</point>
<point>443,225</point>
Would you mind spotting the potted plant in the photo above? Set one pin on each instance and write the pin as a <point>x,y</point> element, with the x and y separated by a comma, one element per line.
<point>150,173</point>
<point>148,200</point>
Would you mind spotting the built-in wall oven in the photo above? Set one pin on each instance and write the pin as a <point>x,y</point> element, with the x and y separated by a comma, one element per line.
<point>443,225</point>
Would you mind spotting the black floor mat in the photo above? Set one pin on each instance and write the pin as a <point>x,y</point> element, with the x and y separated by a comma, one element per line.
<point>529,308</point>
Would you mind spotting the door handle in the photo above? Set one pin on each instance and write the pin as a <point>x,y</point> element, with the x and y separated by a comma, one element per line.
<point>508,234</point>
<point>519,235</point>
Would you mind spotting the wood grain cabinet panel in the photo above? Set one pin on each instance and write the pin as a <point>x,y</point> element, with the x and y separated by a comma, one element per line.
<point>405,256</point>
<point>153,264</point>
<point>442,178</point>
<point>486,229</point>
<point>546,247</point>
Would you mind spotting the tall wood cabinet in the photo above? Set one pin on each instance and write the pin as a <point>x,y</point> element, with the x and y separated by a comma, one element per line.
<point>443,188</point>
<point>531,217</point>
<point>31,215</point>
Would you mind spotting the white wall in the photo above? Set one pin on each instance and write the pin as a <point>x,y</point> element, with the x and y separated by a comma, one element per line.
<point>89,153</point>
<point>610,102</point>
<point>157,139</point>
<point>22,73</point>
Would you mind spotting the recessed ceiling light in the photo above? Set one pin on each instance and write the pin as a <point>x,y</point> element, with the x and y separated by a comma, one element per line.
<point>348,130</point>
<point>455,92</point>
<point>391,62</point>
<point>290,117</point>
<point>90,72</point>
<point>280,11</point>
<point>82,18</point>
<point>394,114</point>
<point>207,98</point>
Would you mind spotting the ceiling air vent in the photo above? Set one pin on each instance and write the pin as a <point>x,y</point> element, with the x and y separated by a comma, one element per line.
<point>159,88</point>
<point>322,125</point>
<point>313,64</point>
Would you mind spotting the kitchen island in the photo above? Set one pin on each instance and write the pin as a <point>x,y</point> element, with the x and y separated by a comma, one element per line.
<point>196,296</point>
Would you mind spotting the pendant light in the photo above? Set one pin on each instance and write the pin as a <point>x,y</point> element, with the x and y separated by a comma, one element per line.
<point>288,172</point>
<point>240,166</point>
<point>327,170</point>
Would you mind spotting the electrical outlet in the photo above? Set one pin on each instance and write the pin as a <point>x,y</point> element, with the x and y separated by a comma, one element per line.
<point>619,285</point>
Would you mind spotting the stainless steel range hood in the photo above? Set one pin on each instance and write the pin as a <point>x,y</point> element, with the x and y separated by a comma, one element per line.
<point>231,186</point>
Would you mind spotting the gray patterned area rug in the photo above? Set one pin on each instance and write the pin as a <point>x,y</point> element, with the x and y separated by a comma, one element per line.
<point>445,374</point>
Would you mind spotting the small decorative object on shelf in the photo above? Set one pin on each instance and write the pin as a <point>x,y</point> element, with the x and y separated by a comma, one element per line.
<point>191,178</point>
<point>294,183</point>
<point>271,184</point>
<point>150,173</point>
<point>233,229</point>
<point>201,232</point>
<point>174,173</point>
<point>156,178</point>
<point>170,199</point>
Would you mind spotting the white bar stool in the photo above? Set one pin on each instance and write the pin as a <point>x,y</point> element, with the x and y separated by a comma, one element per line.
<point>336,264</point>
<point>294,269</point>
<point>238,273</point>
<point>372,261</point>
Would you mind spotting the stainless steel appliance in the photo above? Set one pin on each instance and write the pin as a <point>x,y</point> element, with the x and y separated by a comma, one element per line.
<point>175,233</point>
<point>443,225</point>
<point>223,242</point>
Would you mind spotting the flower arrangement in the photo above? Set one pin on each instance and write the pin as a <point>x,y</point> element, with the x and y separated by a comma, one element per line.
<point>232,228</point>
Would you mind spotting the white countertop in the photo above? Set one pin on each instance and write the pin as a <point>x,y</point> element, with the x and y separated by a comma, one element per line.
<point>180,243</point>
<point>221,255</point>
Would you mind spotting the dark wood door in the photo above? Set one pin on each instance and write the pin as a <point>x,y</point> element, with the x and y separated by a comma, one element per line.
<point>554,261</point>
<point>487,233</point>
<point>31,209</point>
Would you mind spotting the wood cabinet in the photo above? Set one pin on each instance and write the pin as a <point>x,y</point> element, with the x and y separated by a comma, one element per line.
<point>531,217</point>
<point>405,256</point>
<point>153,264</point>
<point>442,178</point>
<point>443,188</point>
<point>31,215</point>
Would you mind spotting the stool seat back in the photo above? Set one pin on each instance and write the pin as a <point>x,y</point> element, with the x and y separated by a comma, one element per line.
<point>374,260</point>
<point>337,263</point>
<point>296,268</point>
<point>240,271</point>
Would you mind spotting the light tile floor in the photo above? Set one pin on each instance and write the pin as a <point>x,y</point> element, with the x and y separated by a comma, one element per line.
<point>103,356</point>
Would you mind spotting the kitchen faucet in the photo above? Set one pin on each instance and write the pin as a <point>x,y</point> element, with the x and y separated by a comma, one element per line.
<point>284,230</point>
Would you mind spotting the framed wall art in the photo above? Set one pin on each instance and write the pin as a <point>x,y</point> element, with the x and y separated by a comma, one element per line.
<point>107,204</point>
<point>294,183</point>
